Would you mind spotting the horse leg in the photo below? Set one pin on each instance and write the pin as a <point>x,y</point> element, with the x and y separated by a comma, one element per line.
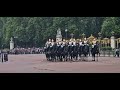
<point>94,57</point>
<point>86,57</point>
<point>70,57</point>
<point>80,56</point>
<point>76,56</point>
<point>97,56</point>
<point>65,57</point>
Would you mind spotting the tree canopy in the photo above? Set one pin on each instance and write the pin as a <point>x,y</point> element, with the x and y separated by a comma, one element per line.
<point>35,31</point>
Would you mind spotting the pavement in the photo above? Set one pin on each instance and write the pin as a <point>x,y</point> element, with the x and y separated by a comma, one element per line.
<point>37,63</point>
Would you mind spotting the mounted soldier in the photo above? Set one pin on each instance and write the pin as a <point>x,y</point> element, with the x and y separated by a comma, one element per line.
<point>86,49</point>
<point>52,49</point>
<point>61,49</point>
<point>71,49</point>
<point>66,51</point>
<point>47,50</point>
<point>81,45</point>
<point>57,51</point>
<point>94,50</point>
<point>75,50</point>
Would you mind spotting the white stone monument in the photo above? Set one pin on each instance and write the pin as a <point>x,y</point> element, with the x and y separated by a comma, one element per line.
<point>11,44</point>
<point>112,42</point>
<point>58,36</point>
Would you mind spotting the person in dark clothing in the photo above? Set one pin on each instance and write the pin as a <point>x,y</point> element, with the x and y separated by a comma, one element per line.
<point>117,52</point>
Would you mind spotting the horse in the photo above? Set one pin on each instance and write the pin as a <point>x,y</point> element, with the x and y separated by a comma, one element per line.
<point>80,51</point>
<point>71,49</point>
<point>65,52</point>
<point>94,51</point>
<point>86,50</point>
<point>75,51</point>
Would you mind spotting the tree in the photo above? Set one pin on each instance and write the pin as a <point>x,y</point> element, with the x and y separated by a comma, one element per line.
<point>111,24</point>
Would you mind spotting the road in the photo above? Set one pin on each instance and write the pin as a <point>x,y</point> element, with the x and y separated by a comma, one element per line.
<point>36,63</point>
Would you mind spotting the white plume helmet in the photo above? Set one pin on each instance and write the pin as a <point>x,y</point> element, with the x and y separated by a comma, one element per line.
<point>80,40</point>
<point>74,40</point>
<point>80,43</point>
<point>60,42</point>
<point>63,43</point>
<point>52,43</point>
<point>85,41</point>
<point>52,40</point>
<point>70,43</point>
<point>49,40</point>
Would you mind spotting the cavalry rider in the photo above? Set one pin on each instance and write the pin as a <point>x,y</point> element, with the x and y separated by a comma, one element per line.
<point>52,42</point>
<point>95,49</point>
<point>47,49</point>
<point>63,50</point>
<point>71,49</point>
<point>80,51</point>
<point>86,48</point>
<point>66,50</point>
<point>75,49</point>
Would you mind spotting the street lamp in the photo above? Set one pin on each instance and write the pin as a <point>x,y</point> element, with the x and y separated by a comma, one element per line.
<point>83,35</point>
<point>66,32</point>
<point>99,34</point>
<point>15,37</point>
<point>99,40</point>
<point>112,33</point>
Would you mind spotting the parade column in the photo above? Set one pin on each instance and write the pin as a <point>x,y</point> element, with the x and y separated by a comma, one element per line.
<point>11,44</point>
<point>112,41</point>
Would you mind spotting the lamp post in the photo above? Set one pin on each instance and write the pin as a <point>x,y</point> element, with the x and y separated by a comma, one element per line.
<point>99,39</point>
<point>112,33</point>
<point>83,35</point>
<point>66,33</point>
<point>15,37</point>
<point>1,41</point>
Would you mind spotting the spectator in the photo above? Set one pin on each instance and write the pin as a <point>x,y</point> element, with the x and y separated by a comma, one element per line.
<point>117,52</point>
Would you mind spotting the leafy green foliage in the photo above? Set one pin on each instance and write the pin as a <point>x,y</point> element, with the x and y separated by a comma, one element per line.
<point>34,31</point>
<point>111,24</point>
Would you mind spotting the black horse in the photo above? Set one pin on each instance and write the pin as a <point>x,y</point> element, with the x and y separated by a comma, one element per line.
<point>47,52</point>
<point>75,51</point>
<point>85,51</point>
<point>94,51</point>
<point>80,51</point>
<point>66,52</point>
<point>71,53</point>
